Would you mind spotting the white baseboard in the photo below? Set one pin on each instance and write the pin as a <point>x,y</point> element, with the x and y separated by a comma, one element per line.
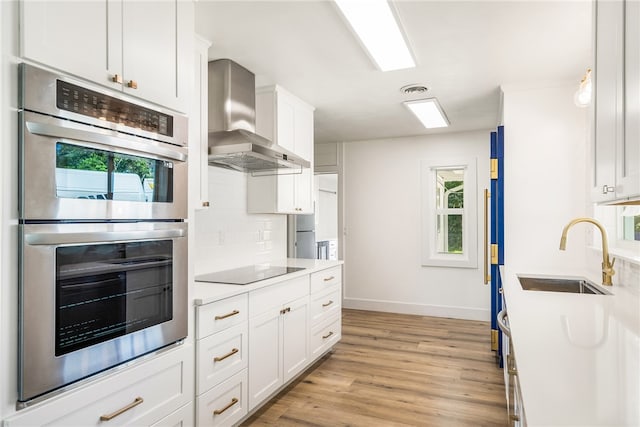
<point>419,309</point>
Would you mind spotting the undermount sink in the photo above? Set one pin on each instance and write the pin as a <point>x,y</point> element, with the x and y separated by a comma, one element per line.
<point>574,285</point>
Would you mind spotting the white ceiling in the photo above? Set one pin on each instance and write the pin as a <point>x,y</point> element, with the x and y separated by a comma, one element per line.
<point>464,50</point>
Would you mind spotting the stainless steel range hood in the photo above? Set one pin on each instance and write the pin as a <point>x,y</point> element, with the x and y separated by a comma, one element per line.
<point>233,143</point>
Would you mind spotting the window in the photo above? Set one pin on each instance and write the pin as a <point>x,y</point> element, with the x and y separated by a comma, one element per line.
<point>623,229</point>
<point>630,223</point>
<point>449,216</point>
<point>449,210</point>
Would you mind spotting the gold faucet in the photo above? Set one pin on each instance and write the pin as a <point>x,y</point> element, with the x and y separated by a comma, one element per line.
<point>607,264</point>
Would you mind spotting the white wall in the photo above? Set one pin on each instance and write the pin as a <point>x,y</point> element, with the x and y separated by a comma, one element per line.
<point>228,237</point>
<point>382,206</point>
<point>546,149</point>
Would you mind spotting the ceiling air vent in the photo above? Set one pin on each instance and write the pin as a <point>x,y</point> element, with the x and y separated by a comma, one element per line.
<point>414,89</point>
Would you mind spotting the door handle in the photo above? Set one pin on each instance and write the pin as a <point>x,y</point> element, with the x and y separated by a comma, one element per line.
<point>487,276</point>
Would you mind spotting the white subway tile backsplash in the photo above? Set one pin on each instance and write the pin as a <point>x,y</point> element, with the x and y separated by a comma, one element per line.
<point>226,236</point>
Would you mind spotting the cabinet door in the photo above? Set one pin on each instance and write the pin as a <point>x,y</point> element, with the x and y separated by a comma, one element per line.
<point>304,191</point>
<point>198,142</point>
<point>265,358</point>
<point>285,121</point>
<point>628,165</point>
<point>80,38</point>
<point>286,193</point>
<point>295,338</point>
<point>157,50</point>
<point>304,132</point>
<point>608,97</point>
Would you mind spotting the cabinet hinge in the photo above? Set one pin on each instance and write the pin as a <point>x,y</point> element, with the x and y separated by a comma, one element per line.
<point>494,254</point>
<point>494,168</point>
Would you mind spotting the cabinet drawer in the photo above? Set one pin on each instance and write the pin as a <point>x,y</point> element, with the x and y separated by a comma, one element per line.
<point>150,391</point>
<point>277,295</point>
<point>183,417</point>
<point>325,335</point>
<point>220,356</point>
<point>325,304</point>
<point>322,279</point>
<point>219,315</point>
<point>225,404</point>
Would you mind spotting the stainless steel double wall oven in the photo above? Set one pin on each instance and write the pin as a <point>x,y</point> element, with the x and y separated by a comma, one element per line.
<point>103,242</point>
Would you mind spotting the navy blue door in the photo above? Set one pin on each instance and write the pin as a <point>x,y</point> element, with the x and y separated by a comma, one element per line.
<point>497,234</point>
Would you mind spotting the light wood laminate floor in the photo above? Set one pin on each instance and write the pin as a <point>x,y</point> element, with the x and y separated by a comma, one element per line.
<point>397,370</point>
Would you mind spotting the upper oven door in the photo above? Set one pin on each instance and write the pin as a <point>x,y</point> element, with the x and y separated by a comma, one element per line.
<point>72,171</point>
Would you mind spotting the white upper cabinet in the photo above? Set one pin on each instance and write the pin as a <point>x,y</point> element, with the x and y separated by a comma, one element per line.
<point>616,138</point>
<point>198,132</point>
<point>141,48</point>
<point>287,121</point>
<point>628,162</point>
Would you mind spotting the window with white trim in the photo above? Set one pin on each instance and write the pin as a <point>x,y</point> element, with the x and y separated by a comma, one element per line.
<point>449,213</point>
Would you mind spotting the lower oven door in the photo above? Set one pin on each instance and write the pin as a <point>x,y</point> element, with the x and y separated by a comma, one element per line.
<point>93,296</point>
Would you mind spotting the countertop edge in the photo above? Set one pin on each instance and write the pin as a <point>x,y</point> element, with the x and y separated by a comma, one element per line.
<point>206,293</point>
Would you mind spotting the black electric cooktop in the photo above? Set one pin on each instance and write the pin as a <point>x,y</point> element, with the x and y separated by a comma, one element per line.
<point>246,275</point>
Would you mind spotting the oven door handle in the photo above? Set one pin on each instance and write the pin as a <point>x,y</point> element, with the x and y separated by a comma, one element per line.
<point>58,238</point>
<point>103,137</point>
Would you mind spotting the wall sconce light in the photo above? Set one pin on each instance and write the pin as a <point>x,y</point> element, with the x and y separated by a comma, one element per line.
<point>582,98</point>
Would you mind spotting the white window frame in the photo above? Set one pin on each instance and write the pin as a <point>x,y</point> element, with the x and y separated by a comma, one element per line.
<point>430,255</point>
<point>611,219</point>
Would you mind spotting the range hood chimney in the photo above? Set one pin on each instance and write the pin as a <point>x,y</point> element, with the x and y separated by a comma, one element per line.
<point>233,143</point>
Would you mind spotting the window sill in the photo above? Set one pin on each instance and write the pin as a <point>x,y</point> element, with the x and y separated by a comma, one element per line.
<point>623,254</point>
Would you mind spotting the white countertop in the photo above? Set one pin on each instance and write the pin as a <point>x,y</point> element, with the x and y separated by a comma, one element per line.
<point>205,293</point>
<point>577,356</point>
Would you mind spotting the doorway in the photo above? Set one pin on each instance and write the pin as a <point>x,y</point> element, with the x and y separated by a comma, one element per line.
<point>326,215</point>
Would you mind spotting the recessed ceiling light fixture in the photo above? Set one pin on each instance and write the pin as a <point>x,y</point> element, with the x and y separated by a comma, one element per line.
<point>429,112</point>
<point>376,26</point>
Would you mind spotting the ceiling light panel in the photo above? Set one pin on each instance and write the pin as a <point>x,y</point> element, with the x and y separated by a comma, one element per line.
<point>429,112</point>
<point>376,26</point>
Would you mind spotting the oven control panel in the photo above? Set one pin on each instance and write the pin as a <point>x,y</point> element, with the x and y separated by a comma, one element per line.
<point>94,104</point>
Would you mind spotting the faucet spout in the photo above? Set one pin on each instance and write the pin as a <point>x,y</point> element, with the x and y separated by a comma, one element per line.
<point>607,263</point>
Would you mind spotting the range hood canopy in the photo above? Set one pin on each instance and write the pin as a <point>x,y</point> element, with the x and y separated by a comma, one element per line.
<point>233,143</point>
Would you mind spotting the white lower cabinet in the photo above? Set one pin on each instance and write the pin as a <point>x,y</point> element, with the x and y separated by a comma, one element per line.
<point>249,346</point>
<point>225,404</point>
<point>221,361</point>
<point>278,347</point>
<point>140,395</point>
<point>183,417</point>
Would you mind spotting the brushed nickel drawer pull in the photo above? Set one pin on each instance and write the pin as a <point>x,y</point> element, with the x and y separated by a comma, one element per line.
<point>327,304</point>
<point>327,279</point>
<point>220,411</point>
<point>224,316</point>
<point>136,402</point>
<point>324,337</point>
<point>221,358</point>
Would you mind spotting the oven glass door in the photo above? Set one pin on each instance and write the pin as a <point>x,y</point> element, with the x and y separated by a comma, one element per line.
<point>96,295</point>
<point>89,173</point>
<point>109,290</point>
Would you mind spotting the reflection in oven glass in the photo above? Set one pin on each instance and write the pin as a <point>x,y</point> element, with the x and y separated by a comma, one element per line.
<point>87,173</point>
<point>109,290</point>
